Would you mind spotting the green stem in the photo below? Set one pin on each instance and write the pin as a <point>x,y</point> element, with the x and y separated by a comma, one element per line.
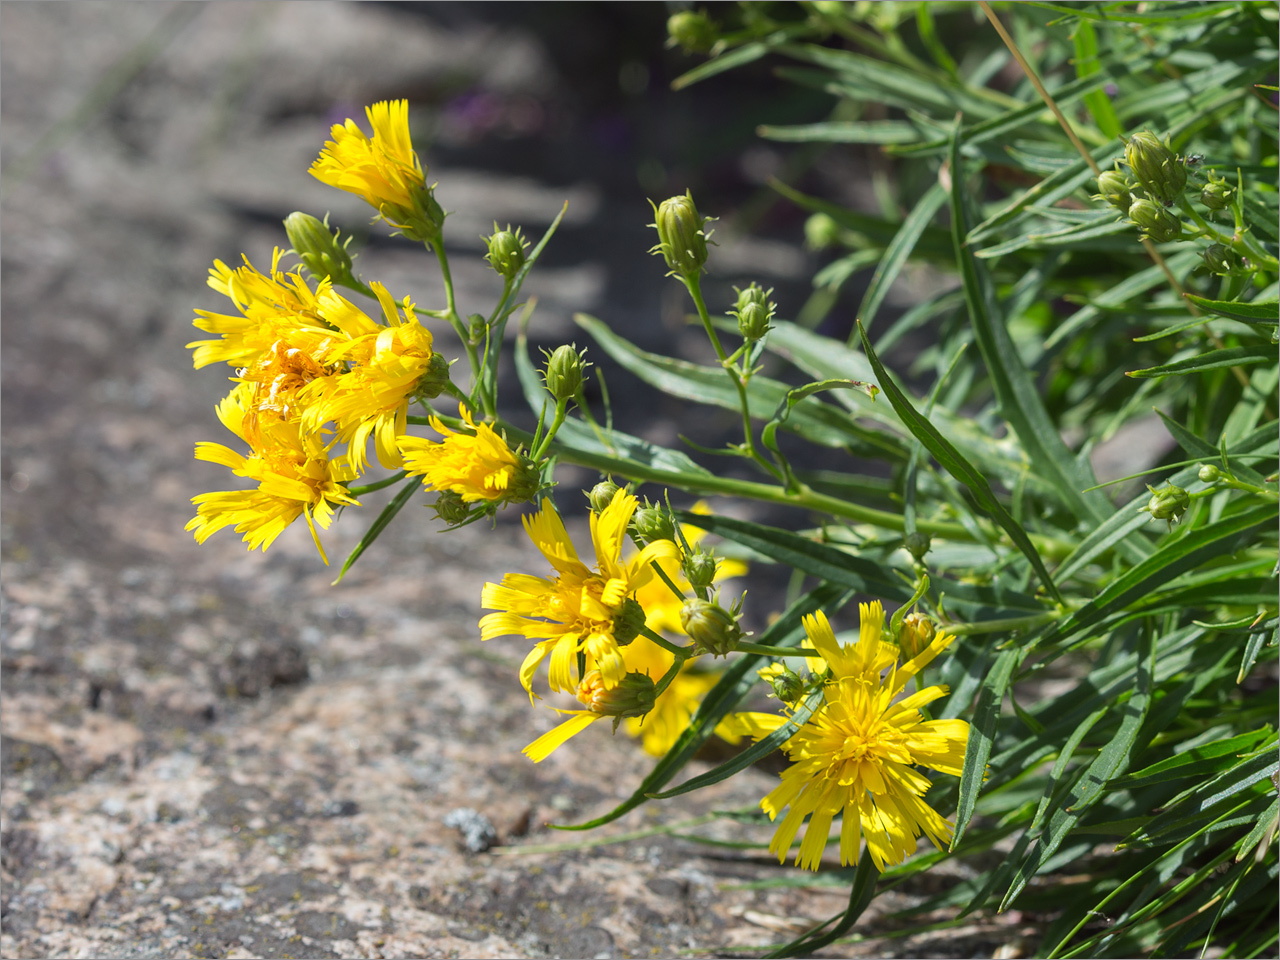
<point>1000,626</point>
<point>694,285</point>
<point>1239,241</point>
<point>672,672</point>
<point>562,407</point>
<point>681,653</point>
<point>767,651</point>
<point>1249,488</point>
<point>451,312</point>
<point>662,575</point>
<point>351,283</point>
<point>377,484</point>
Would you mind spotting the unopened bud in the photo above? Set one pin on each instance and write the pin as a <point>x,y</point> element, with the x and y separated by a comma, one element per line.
<point>1217,194</point>
<point>1220,259</point>
<point>1168,503</point>
<point>451,508</point>
<point>915,635</point>
<point>918,544</point>
<point>319,250</point>
<point>787,684</point>
<point>682,239</point>
<point>627,622</point>
<point>821,231</point>
<point>710,626</point>
<point>632,696</point>
<point>602,495</point>
<point>700,569</point>
<point>693,32</point>
<point>1209,473</point>
<point>506,251</point>
<point>477,328</point>
<point>1157,223</point>
<point>435,380</point>
<point>651,524</point>
<point>1157,169</point>
<point>564,373</point>
<point>1114,187</point>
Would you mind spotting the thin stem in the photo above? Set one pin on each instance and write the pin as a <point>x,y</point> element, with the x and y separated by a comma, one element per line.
<point>1000,626</point>
<point>562,407</point>
<point>672,672</point>
<point>681,653</point>
<point>451,310</point>
<point>662,575</point>
<point>377,484</point>
<point>694,286</point>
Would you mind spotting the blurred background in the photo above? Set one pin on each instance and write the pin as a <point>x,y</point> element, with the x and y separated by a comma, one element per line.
<point>214,753</point>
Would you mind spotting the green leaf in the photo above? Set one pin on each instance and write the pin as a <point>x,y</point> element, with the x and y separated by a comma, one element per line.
<point>844,131</point>
<point>1263,312</point>
<point>956,465</point>
<point>380,524</point>
<point>934,242</point>
<point>1252,648</point>
<point>982,731</point>
<point>1198,761</point>
<point>1099,104</point>
<point>738,57</point>
<point>757,751</point>
<point>1172,559</point>
<point>1105,225</point>
<point>861,893</point>
<point>734,684</point>
<point>1133,285</point>
<point>1199,447</point>
<point>1213,360</point>
<point>899,251</point>
<point>1016,392</point>
<point>1110,762</point>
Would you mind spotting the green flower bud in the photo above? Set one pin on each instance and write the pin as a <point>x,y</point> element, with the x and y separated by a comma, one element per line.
<point>787,684</point>
<point>1114,187</point>
<point>564,374</point>
<point>682,238</point>
<point>753,310</point>
<point>506,251</point>
<point>633,696</point>
<point>699,569</point>
<point>319,250</point>
<point>422,221</point>
<point>1209,473</point>
<point>1168,503</point>
<point>628,621</point>
<point>711,627</point>
<point>821,231</point>
<point>915,635</point>
<point>1220,259</point>
<point>1159,172</point>
<point>451,508</point>
<point>651,524</point>
<point>602,495</point>
<point>692,32</point>
<point>1217,194</point>
<point>918,544</point>
<point>435,380</point>
<point>1157,223</point>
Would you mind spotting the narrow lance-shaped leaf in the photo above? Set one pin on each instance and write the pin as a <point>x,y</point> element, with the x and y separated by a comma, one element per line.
<point>375,529</point>
<point>956,465</point>
<point>982,733</point>
<point>899,251</point>
<point>1016,392</point>
<point>1213,360</point>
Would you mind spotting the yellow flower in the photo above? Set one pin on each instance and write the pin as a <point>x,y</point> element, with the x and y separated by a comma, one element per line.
<point>478,466</point>
<point>572,612</point>
<point>632,697</point>
<point>387,364</point>
<point>856,755</point>
<point>269,308</point>
<point>295,478</point>
<point>384,170</point>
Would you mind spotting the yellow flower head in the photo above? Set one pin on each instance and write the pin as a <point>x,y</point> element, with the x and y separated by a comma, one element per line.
<point>857,753</point>
<point>295,478</point>
<point>573,611</point>
<point>476,466</point>
<point>270,307</point>
<point>383,169</point>
<point>387,366</point>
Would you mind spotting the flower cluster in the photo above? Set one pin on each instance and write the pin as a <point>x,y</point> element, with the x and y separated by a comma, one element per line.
<point>314,372</point>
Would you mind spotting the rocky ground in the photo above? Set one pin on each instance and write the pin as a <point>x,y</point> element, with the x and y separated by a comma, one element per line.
<point>208,753</point>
